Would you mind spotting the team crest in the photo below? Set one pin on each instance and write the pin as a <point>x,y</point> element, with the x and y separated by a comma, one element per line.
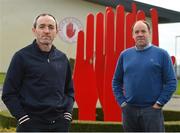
<point>69,28</point>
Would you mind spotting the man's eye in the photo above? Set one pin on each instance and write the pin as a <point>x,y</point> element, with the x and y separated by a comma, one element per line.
<point>41,27</point>
<point>136,32</point>
<point>51,27</point>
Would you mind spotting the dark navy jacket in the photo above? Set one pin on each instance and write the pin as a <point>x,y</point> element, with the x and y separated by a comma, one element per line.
<point>38,83</point>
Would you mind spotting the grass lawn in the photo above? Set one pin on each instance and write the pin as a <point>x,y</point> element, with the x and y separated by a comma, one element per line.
<point>2,75</point>
<point>5,113</point>
<point>178,88</point>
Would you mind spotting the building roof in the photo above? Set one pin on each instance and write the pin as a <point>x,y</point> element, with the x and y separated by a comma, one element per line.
<point>165,15</point>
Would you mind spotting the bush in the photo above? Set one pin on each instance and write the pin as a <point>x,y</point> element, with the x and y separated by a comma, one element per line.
<point>171,115</point>
<point>95,126</point>
<point>7,121</point>
<point>7,129</point>
<point>172,126</point>
<point>172,123</point>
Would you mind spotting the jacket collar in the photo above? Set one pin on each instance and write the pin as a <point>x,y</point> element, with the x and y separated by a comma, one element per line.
<point>39,50</point>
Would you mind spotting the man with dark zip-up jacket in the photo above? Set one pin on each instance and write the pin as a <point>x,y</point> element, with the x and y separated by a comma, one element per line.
<point>38,89</point>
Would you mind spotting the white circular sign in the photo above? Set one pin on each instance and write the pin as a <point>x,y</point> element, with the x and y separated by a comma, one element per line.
<point>69,28</point>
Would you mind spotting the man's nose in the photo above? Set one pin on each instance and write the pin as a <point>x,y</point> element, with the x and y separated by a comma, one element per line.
<point>46,29</point>
<point>140,34</point>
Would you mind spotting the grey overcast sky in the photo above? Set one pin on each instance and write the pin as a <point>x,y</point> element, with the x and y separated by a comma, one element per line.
<point>169,34</point>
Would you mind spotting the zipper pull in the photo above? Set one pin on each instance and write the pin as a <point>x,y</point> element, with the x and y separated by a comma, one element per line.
<point>48,60</point>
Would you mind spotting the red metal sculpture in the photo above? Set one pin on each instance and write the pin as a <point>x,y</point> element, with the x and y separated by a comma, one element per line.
<point>96,59</point>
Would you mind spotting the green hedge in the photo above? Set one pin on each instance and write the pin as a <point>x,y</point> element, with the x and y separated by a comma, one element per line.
<point>7,121</point>
<point>171,115</point>
<point>168,115</point>
<point>172,123</point>
<point>95,126</point>
<point>8,129</point>
<point>99,114</point>
<point>173,126</point>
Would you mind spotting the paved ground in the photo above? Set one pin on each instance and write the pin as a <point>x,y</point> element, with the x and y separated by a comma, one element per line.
<point>173,104</point>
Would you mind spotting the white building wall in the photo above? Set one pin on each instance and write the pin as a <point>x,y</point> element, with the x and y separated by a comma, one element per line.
<point>0,36</point>
<point>16,18</point>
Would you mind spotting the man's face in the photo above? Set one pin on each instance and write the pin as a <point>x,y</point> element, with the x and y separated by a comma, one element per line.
<point>45,30</point>
<point>141,34</point>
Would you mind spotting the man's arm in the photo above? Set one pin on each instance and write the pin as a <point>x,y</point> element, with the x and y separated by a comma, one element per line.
<point>117,83</point>
<point>12,87</point>
<point>169,80</point>
<point>69,93</point>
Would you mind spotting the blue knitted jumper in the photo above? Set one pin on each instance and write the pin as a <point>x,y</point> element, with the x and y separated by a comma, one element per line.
<point>143,77</point>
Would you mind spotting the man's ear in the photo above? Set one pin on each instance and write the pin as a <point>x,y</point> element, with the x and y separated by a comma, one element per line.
<point>33,30</point>
<point>57,31</point>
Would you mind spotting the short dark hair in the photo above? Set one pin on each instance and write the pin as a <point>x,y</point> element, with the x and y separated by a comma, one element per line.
<point>145,22</point>
<point>43,14</point>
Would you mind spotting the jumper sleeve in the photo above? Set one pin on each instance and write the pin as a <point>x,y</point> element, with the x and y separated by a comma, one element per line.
<point>169,80</point>
<point>117,82</point>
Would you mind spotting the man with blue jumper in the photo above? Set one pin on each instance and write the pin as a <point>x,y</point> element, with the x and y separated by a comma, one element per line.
<point>143,82</point>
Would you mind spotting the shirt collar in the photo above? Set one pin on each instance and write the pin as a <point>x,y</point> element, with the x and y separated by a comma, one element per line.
<point>146,47</point>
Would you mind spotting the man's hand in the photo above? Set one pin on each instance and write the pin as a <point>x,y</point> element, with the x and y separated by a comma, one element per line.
<point>157,106</point>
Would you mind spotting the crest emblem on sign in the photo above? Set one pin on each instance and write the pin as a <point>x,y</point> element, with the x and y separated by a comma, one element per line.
<point>69,28</point>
